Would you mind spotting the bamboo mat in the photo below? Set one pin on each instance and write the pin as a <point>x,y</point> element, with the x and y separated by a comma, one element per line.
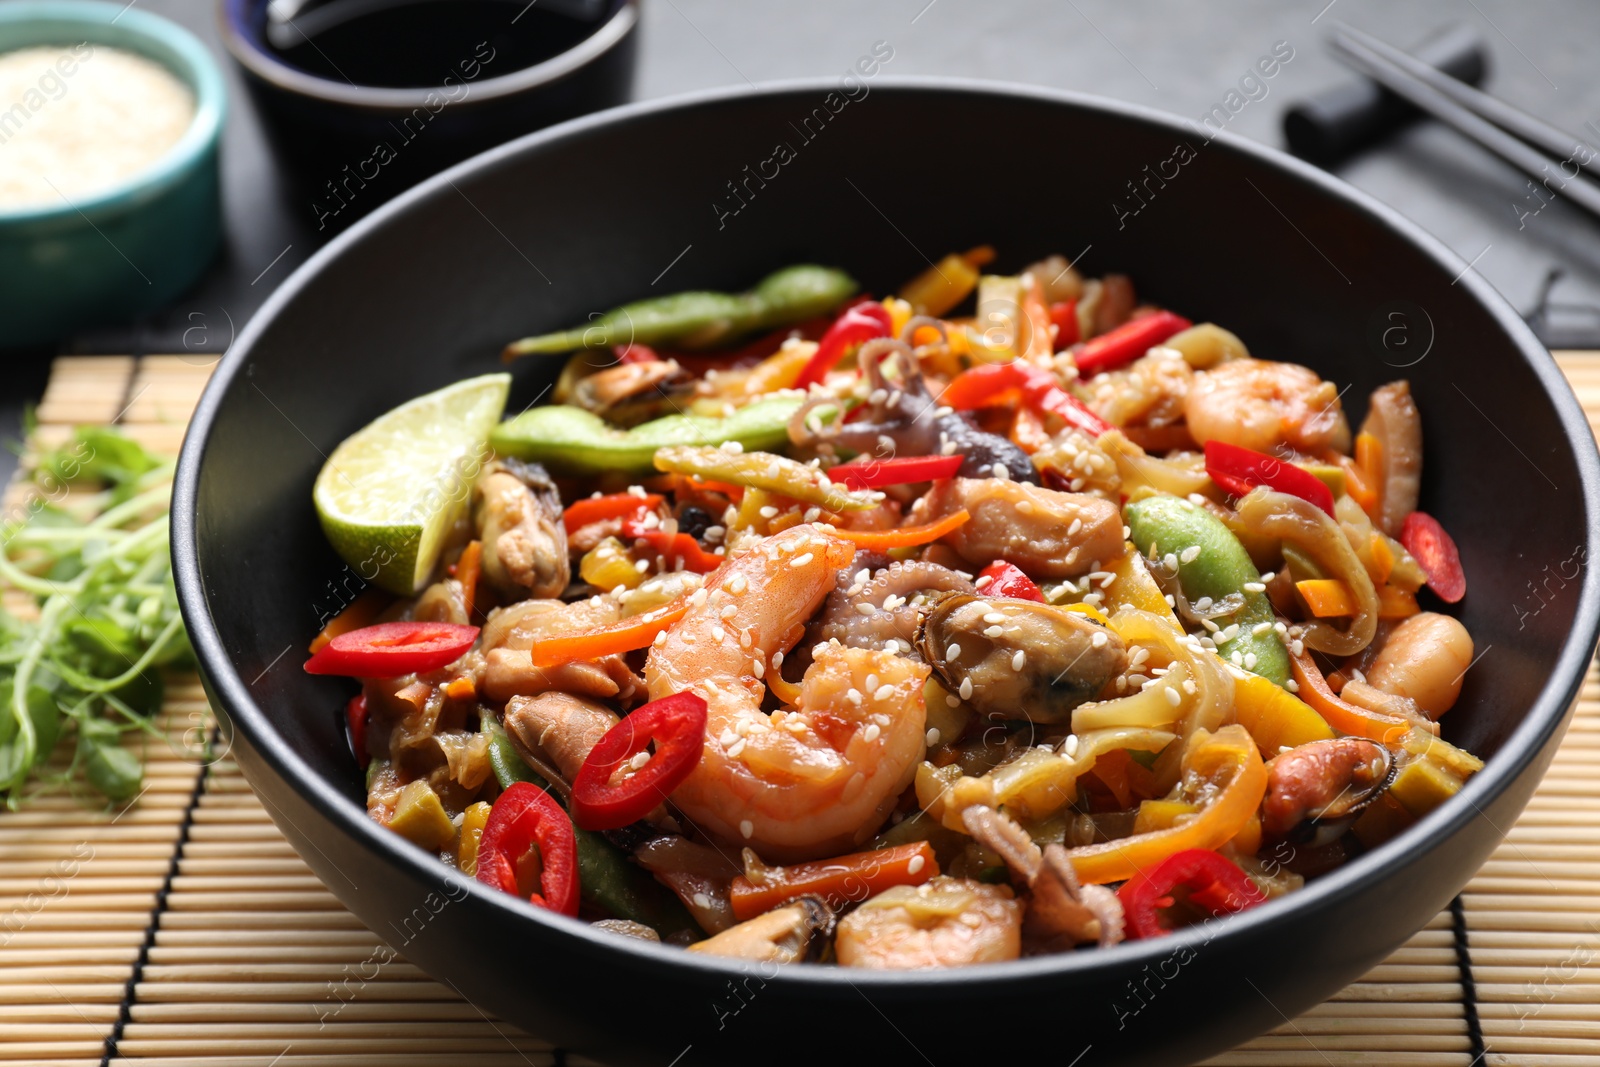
<point>183,931</point>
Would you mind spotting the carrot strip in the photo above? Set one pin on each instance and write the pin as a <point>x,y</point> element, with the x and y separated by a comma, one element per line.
<point>356,614</point>
<point>839,881</point>
<point>1327,597</point>
<point>1382,558</point>
<point>624,635</point>
<point>906,536</point>
<point>468,567</point>
<point>1342,715</point>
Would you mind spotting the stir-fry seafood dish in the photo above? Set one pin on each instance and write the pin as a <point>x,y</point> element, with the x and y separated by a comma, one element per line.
<point>1003,616</point>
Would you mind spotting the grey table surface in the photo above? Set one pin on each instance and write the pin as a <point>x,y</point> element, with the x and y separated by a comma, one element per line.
<point>1178,55</point>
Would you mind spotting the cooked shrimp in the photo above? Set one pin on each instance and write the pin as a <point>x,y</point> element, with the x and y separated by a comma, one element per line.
<point>1048,534</point>
<point>1264,405</point>
<point>1425,658</point>
<point>948,922</point>
<point>813,780</point>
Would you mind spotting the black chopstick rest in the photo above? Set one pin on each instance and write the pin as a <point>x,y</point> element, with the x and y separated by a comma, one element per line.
<point>1333,125</point>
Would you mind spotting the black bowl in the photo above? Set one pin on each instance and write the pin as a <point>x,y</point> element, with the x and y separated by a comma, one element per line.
<point>690,194</point>
<point>350,146</point>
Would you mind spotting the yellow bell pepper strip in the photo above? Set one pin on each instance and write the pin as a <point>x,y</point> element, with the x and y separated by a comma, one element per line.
<point>905,536</point>
<point>945,284</point>
<point>704,319</point>
<point>1342,715</point>
<point>763,470</point>
<point>1229,759</point>
<point>472,823</point>
<point>570,440</point>
<point>1133,587</point>
<point>1276,718</point>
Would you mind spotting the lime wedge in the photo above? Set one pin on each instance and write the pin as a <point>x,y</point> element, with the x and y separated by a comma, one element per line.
<point>389,493</point>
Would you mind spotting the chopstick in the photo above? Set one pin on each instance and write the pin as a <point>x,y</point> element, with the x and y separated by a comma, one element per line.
<point>1477,116</point>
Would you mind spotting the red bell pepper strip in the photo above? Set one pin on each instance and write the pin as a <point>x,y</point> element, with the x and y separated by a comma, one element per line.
<point>1006,580</point>
<point>1064,316</point>
<point>635,353</point>
<point>524,816</point>
<point>901,470</point>
<point>1239,470</point>
<point>1435,550</point>
<point>390,649</point>
<point>677,724</point>
<point>1121,346</point>
<point>673,546</point>
<point>999,383</point>
<point>581,513</point>
<point>861,322</point>
<point>356,714</point>
<point>1215,885</point>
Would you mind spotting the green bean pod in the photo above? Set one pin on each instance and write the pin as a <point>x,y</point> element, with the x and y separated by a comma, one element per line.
<point>569,440</point>
<point>1212,563</point>
<point>703,319</point>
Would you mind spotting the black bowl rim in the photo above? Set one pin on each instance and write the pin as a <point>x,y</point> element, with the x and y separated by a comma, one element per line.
<point>1541,721</point>
<point>290,79</point>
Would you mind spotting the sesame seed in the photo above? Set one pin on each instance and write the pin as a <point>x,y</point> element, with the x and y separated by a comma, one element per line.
<point>1189,686</point>
<point>777,659</point>
<point>1173,698</point>
<point>953,652</point>
<point>734,447</point>
<point>865,608</point>
<point>660,639</point>
<point>1077,524</point>
<point>966,689</point>
<point>1254,587</point>
<point>702,901</point>
<point>802,559</point>
<point>932,736</point>
<point>1260,628</point>
<point>870,734</point>
<point>1236,658</point>
<point>1099,640</point>
<point>1018,660</point>
<point>1190,554</point>
<point>719,633</point>
<point>738,585</point>
<point>747,828</point>
<point>728,611</point>
<point>1293,686</point>
<point>745,640</point>
<point>1070,746</point>
<point>698,599</point>
<point>915,865</point>
<point>1249,661</point>
<point>883,692</point>
<point>1170,561</point>
<point>853,695</point>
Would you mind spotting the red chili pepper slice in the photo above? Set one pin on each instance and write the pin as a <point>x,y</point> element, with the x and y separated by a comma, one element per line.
<point>900,470</point>
<point>673,546</point>
<point>581,513</point>
<point>524,816</point>
<point>1001,383</point>
<point>677,724</point>
<point>356,714</point>
<point>1064,316</point>
<point>860,322</point>
<point>1121,346</point>
<point>1006,580</point>
<point>390,649</point>
<point>1215,884</point>
<point>1436,551</point>
<point>633,352</point>
<point>1239,470</point>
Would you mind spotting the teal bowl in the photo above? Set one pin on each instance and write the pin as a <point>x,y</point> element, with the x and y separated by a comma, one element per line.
<point>132,247</point>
